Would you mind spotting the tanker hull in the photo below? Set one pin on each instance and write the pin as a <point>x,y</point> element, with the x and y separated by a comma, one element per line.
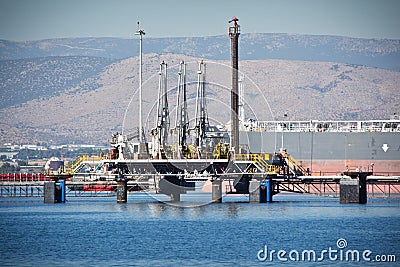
<point>332,152</point>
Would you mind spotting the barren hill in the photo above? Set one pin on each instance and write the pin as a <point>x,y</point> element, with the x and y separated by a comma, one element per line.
<point>381,53</point>
<point>26,79</point>
<point>305,90</point>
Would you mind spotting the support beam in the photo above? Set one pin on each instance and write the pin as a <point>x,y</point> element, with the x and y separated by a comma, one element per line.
<point>354,190</point>
<point>363,196</point>
<point>349,191</point>
<point>50,192</point>
<point>122,190</point>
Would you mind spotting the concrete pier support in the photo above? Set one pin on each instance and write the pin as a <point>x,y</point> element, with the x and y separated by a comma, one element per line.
<point>50,192</point>
<point>349,191</point>
<point>216,194</point>
<point>54,192</point>
<point>122,191</point>
<point>354,189</point>
<point>257,192</point>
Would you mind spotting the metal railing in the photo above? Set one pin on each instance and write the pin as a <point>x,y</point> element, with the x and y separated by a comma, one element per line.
<point>323,126</point>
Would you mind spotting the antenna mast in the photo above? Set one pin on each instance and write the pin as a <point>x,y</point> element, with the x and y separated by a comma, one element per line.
<point>140,32</point>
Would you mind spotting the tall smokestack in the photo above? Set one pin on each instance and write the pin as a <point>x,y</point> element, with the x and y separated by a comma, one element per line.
<point>234,32</point>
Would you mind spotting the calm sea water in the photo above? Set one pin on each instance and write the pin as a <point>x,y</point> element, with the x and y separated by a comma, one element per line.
<point>147,232</point>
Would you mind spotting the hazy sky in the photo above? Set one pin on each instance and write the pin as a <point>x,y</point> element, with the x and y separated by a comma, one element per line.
<point>40,19</point>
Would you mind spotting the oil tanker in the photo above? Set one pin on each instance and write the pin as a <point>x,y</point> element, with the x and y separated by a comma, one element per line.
<point>329,147</point>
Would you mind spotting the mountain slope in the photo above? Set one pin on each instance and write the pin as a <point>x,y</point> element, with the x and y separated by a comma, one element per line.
<point>380,53</point>
<point>24,80</point>
<point>83,89</point>
<point>305,90</point>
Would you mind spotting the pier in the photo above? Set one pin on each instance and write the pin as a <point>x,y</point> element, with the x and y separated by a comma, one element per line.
<point>260,187</point>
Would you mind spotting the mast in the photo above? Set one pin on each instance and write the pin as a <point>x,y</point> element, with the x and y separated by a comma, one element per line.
<point>140,32</point>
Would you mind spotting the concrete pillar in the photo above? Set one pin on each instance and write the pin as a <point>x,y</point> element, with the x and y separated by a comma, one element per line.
<point>50,192</point>
<point>354,189</point>
<point>216,193</point>
<point>257,192</point>
<point>54,192</point>
<point>349,192</point>
<point>122,191</point>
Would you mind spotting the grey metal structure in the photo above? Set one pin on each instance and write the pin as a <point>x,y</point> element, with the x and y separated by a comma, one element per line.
<point>201,115</point>
<point>182,117</point>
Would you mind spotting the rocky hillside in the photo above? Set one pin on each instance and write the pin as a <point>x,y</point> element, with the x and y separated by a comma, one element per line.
<point>83,89</point>
<point>41,78</point>
<point>305,90</point>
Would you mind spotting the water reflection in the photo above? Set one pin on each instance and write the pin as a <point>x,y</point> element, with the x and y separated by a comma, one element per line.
<point>93,230</point>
